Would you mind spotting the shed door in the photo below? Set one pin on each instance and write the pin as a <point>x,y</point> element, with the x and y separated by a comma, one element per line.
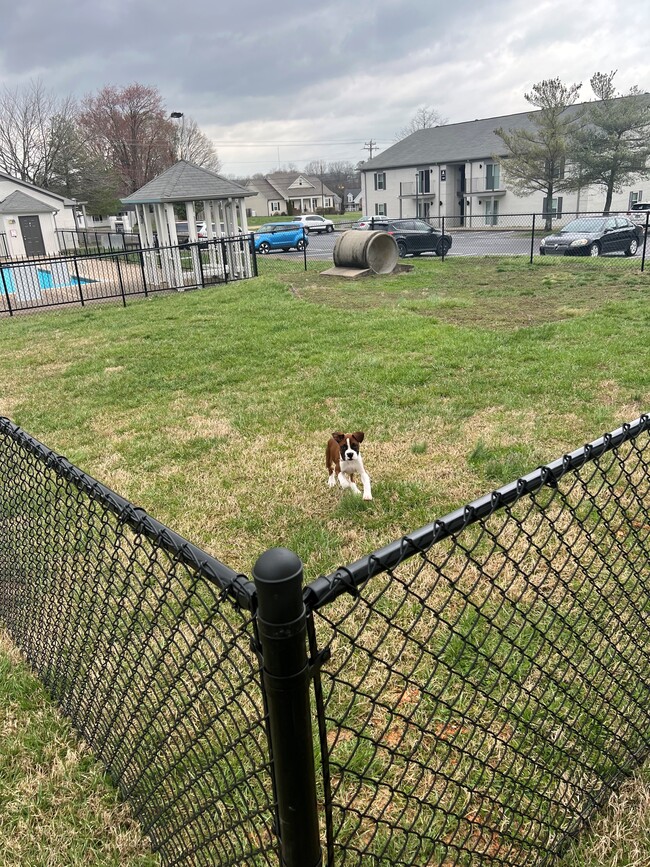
<point>32,236</point>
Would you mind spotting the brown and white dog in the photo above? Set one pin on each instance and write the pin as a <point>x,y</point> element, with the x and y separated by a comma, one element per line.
<point>343,460</point>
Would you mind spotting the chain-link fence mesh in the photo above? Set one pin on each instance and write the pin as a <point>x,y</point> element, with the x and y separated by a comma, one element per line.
<point>480,685</point>
<point>135,634</point>
<point>484,695</point>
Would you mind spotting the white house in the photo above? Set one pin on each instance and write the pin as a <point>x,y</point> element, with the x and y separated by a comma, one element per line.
<point>29,218</point>
<point>290,192</point>
<point>453,171</point>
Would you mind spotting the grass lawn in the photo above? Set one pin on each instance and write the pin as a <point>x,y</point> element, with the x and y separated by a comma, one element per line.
<point>212,409</point>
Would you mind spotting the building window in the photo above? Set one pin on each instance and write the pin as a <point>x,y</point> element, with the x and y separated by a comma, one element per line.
<point>380,180</point>
<point>381,210</point>
<point>424,181</point>
<point>556,207</point>
<point>634,198</point>
<point>275,207</point>
<point>491,212</point>
<point>558,168</point>
<point>492,176</point>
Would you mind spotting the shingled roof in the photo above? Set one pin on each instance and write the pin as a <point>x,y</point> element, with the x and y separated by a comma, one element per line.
<point>457,142</point>
<point>185,182</point>
<point>20,203</point>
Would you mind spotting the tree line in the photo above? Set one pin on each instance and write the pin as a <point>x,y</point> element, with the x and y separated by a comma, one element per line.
<point>604,143</point>
<point>97,149</point>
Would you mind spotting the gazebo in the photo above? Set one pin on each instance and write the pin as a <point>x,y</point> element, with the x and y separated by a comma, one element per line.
<point>223,205</point>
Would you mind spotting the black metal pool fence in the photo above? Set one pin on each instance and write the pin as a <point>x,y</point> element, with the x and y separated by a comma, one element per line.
<point>469,694</point>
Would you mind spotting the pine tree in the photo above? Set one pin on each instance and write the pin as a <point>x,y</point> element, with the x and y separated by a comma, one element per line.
<point>536,156</point>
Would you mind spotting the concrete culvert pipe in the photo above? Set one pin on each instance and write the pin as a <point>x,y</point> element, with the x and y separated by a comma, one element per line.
<point>374,250</point>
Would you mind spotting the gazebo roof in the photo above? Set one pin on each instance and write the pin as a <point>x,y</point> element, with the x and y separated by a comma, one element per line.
<point>185,182</point>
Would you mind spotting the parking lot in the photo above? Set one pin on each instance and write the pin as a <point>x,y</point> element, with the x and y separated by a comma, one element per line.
<point>514,242</point>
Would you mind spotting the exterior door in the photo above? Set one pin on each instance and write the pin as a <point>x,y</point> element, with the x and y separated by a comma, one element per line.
<point>30,228</point>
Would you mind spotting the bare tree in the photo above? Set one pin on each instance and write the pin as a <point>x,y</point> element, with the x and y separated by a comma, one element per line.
<point>425,117</point>
<point>194,146</point>
<point>129,129</point>
<point>34,126</point>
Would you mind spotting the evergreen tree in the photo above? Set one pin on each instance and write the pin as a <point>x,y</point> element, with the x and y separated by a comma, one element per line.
<point>612,145</point>
<point>536,156</point>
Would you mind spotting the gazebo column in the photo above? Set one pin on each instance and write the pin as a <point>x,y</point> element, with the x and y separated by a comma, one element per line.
<point>193,237</point>
<point>233,232</point>
<point>243,219</point>
<point>171,254</point>
<point>212,223</point>
<point>240,213</point>
<point>222,231</point>
<point>145,230</point>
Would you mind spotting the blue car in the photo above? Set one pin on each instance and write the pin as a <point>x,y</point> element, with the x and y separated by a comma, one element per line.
<point>279,236</point>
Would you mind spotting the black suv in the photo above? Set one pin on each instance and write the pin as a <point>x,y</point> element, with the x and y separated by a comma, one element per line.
<point>412,236</point>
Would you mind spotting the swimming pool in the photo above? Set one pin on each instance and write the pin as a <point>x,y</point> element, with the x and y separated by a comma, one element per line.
<point>29,279</point>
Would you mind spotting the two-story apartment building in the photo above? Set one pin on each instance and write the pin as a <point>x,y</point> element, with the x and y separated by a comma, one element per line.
<point>453,171</point>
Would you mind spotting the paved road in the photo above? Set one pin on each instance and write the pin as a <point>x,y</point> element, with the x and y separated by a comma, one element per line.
<point>464,244</point>
<point>476,243</point>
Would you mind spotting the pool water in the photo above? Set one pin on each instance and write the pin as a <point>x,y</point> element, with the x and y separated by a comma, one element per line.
<point>45,281</point>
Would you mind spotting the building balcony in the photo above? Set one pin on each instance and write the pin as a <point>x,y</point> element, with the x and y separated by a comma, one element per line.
<point>483,186</point>
<point>409,190</point>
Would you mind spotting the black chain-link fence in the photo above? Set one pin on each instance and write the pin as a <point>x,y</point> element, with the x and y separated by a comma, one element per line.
<point>609,238</point>
<point>479,687</point>
<point>134,631</point>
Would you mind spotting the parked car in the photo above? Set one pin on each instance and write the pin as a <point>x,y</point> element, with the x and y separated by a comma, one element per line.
<point>639,213</point>
<point>412,236</point>
<point>279,236</point>
<point>365,222</point>
<point>314,223</point>
<point>182,231</point>
<point>593,236</point>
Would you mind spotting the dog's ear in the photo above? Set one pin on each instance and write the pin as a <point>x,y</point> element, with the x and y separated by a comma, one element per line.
<point>358,436</point>
<point>339,437</point>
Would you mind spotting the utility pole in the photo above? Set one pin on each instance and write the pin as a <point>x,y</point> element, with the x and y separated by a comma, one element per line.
<point>370,146</point>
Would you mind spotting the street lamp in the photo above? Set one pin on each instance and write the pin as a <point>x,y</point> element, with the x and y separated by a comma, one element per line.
<point>178,115</point>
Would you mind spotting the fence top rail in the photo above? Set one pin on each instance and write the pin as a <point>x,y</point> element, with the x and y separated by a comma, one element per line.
<point>348,579</point>
<point>236,585</point>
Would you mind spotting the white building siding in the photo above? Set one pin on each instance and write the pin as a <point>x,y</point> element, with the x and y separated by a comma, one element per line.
<point>446,183</point>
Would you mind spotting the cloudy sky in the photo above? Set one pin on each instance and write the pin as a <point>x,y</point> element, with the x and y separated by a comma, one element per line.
<point>278,81</point>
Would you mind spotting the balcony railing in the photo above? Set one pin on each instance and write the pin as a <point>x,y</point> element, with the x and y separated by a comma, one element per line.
<point>483,185</point>
<point>410,188</point>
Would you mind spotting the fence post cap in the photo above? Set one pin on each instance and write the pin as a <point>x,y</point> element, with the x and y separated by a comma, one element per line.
<point>277,564</point>
<point>278,582</point>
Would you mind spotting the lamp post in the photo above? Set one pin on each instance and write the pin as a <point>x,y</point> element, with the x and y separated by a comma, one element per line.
<point>178,115</point>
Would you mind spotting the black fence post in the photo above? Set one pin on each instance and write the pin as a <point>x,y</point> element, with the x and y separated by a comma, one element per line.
<point>226,263</point>
<point>304,248</point>
<point>119,276</point>
<point>199,253</point>
<point>144,273</point>
<point>251,242</point>
<point>442,242</point>
<point>4,283</point>
<point>532,241</point>
<point>645,239</point>
<point>282,630</point>
<point>76,270</point>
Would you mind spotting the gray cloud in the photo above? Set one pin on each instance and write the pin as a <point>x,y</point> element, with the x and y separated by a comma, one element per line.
<point>252,72</point>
